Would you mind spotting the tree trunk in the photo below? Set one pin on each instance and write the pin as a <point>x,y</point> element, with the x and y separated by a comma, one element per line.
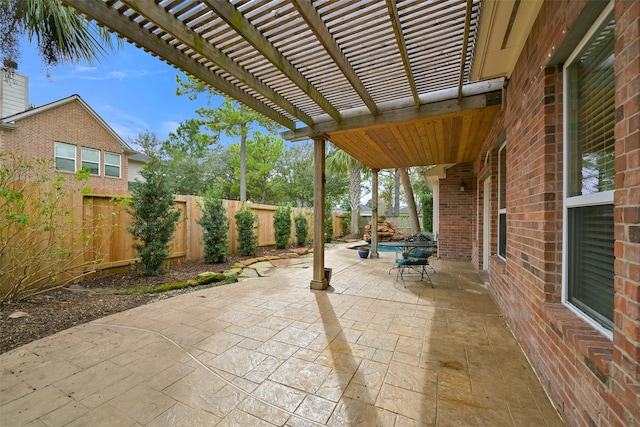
<point>355,181</point>
<point>411,202</point>
<point>396,202</point>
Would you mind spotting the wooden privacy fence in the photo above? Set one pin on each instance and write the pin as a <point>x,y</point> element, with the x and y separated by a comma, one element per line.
<point>113,244</point>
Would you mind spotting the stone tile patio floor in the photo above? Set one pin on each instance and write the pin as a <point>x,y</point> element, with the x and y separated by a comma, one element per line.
<point>269,351</point>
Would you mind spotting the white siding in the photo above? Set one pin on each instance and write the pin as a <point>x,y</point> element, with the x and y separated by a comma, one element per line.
<point>13,94</point>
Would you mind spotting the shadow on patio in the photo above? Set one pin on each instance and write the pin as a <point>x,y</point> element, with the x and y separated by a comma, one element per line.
<point>270,351</point>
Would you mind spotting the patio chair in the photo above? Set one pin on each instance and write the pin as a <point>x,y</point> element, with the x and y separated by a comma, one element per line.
<point>420,237</point>
<point>417,259</point>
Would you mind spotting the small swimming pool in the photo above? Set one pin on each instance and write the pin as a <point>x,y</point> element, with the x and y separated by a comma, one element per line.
<point>380,248</point>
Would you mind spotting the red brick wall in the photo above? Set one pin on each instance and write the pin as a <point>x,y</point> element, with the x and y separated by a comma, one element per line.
<point>486,166</point>
<point>593,379</point>
<point>34,136</point>
<point>457,213</point>
<point>626,339</point>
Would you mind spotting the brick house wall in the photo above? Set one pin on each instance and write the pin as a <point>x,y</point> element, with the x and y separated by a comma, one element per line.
<point>457,212</point>
<point>69,122</point>
<point>594,380</point>
<point>625,370</point>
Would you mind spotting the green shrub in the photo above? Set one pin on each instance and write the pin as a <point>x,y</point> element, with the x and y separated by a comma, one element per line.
<point>302,229</point>
<point>154,217</point>
<point>215,225</point>
<point>247,239</point>
<point>328,224</point>
<point>42,244</point>
<point>426,200</point>
<point>282,226</point>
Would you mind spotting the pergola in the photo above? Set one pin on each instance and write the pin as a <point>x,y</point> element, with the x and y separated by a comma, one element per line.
<point>394,83</point>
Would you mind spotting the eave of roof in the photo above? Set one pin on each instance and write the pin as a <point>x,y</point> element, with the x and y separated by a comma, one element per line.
<point>10,121</point>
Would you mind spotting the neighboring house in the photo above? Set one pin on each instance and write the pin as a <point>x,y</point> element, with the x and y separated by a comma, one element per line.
<point>70,132</point>
<point>136,162</point>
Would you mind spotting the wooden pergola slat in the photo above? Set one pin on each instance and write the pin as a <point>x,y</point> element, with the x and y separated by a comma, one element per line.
<point>234,18</point>
<point>309,14</point>
<point>110,17</point>
<point>178,29</point>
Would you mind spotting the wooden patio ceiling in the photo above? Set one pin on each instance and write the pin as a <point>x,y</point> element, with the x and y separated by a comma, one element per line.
<point>385,80</point>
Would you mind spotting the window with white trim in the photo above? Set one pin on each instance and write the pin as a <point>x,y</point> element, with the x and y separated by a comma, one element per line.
<point>502,201</point>
<point>112,166</point>
<point>65,156</point>
<point>91,160</point>
<point>588,255</point>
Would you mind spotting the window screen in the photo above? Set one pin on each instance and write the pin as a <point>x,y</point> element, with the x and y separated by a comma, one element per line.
<point>65,155</point>
<point>591,261</point>
<point>591,116</point>
<point>502,202</point>
<point>91,160</point>
<point>590,121</point>
<point>112,165</point>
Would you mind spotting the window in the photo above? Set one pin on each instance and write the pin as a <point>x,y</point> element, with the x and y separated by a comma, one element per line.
<point>91,159</point>
<point>588,255</point>
<point>65,155</point>
<point>502,201</point>
<point>112,165</point>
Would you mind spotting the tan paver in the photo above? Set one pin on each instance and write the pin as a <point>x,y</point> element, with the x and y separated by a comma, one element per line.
<point>270,351</point>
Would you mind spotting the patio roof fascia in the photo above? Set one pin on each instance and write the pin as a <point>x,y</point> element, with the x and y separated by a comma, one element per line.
<point>432,104</point>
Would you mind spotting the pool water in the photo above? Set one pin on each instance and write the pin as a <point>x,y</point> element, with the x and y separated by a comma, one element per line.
<point>380,248</point>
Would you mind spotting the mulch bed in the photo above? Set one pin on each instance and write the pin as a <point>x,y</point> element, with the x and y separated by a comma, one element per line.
<point>92,299</point>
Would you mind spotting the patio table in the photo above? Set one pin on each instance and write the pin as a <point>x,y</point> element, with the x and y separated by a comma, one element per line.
<point>404,248</point>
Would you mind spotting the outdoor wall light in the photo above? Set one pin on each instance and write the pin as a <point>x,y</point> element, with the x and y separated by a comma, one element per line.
<point>463,187</point>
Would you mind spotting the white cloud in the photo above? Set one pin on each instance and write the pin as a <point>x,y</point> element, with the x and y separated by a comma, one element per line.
<point>120,75</point>
<point>84,69</point>
<point>128,126</point>
<point>165,128</point>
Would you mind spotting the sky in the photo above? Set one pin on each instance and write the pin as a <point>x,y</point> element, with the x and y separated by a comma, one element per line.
<point>131,90</point>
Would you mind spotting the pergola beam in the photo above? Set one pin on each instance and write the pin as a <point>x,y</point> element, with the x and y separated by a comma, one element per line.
<point>236,20</point>
<point>402,46</point>
<point>397,115</point>
<point>110,18</point>
<point>315,23</point>
<point>159,16</point>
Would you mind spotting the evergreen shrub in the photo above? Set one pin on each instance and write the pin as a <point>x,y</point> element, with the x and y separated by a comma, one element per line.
<point>282,226</point>
<point>302,229</point>
<point>328,224</point>
<point>215,225</point>
<point>154,218</point>
<point>247,239</point>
